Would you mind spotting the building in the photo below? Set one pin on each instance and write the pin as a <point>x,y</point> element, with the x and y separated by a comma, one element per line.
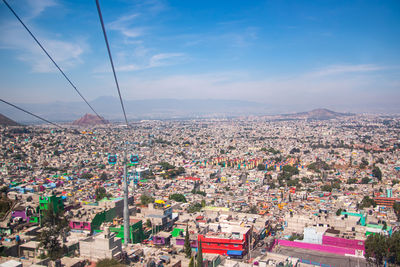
<point>229,240</point>
<point>101,246</point>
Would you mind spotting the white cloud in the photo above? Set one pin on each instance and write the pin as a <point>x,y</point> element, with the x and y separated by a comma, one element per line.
<point>37,7</point>
<point>342,69</point>
<point>124,25</point>
<point>164,59</point>
<point>302,89</point>
<point>66,53</point>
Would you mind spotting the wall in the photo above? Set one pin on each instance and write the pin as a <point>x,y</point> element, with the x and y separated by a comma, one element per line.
<point>316,247</point>
<point>342,242</point>
<point>80,225</point>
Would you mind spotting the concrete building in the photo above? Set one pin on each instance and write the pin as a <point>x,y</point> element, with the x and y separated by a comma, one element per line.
<point>101,246</point>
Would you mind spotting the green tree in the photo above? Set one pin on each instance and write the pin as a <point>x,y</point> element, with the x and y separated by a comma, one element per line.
<point>367,202</point>
<point>326,188</point>
<point>103,176</point>
<point>178,197</point>
<point>365,180</point>
<point>352,181</point>
<point>148,223</point>
<point>364,163</point>
<point>54,227</point>
<point>191,262</point>
<point>199,258</point>
<point>338,212</point>
<point>166,166</point>
<point>396,209</point>
<point>188,249</point>
<point>376,249</point>
<point>376,172</point>
<point>394,248</point>
<point>145,199</point>
<point>261,167</point>
<point>100,193</point>
<point>194,207</point>
<point>253,209</point>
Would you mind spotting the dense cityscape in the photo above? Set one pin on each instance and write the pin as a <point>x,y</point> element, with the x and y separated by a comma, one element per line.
<point>165,133</point>
<point>228,192</point>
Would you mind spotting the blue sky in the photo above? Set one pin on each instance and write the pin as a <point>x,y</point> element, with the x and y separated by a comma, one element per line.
<point>343,54</point>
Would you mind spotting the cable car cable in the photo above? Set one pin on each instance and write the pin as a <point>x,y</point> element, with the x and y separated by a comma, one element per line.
<point>48,55</point>
<point>111,60</point>
<point>30,113</point>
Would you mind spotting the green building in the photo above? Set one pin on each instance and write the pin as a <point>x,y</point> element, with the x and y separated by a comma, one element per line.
<point>54,201</point>
<point>136,233</point>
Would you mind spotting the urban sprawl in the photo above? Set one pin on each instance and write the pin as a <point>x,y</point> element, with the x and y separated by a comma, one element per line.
<point>208,192</point>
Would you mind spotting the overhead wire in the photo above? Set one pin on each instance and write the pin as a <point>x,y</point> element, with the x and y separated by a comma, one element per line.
<point>30,113</point>
<point>52,60</point>
<point>111,60</point>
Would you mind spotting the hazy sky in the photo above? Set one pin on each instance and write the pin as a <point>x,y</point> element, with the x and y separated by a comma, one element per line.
<point>344,53</point>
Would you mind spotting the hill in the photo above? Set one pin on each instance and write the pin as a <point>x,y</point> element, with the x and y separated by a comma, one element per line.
<point>318,114</point>
<point>4,121</point>
<point>90,119</point>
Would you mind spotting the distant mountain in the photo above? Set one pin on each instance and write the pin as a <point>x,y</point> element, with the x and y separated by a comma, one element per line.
<point>89,120</point>
<point>110,108</point>
<point>4,121</point>
<point>317,114</point>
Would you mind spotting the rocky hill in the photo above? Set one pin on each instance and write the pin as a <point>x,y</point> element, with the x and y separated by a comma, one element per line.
<point>89,119</point>
<point>4,121</point>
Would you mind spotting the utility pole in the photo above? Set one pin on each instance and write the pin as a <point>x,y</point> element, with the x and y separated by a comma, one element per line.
<point>126,207</point>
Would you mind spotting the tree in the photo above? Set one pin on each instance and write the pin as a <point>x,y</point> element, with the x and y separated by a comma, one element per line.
<point>326,188</point>
<point>261,167</point>
<point>103,176</point>
<point>396,209</point>
<point>375,249</point>
<point>148,223</point>
<point>367,202</point>
<point>194,207</point>
<point>365,180</point>
<point>364,163</point>
<point>101,193</point>
<point>352,181</point>
<point>199,258</point>
<point>380,160</point>
<point>188,249</point>
<point>253,209</point>
<point>394,248</point>
<point>55,226</point>
<point>338,212</point>
<point>376,172</point>
<point>178,197</point>
<point>145,199</point>
<point>191,262</point>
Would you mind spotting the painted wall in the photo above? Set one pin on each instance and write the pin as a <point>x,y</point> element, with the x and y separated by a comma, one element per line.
<point>316,247</point>
<point>342,242</point>
<point>80,225</point>
<point>19,213</point>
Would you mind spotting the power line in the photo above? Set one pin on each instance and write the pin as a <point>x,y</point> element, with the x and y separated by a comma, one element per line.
<point>111,60</point>
<point>30,113</point>
<point>52,60</point>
